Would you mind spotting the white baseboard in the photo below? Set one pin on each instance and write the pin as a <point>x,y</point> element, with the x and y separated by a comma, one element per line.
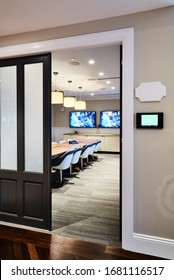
<point>154,245</point>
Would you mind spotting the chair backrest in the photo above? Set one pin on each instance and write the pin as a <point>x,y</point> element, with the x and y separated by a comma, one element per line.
<point>76,155</point>
<point>97,146</point>
<point>85,151</point>
<point>67,160</point>
<point>92,148</point>
<point>63,162</point>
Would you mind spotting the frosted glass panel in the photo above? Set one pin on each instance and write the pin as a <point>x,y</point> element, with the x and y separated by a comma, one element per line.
<point>34,117</point>
<point>8,118</point>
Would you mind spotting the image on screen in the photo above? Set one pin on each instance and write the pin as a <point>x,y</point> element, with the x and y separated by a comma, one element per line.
<point>82,119</point>
<point>149,120</point>
<point>110,119</point>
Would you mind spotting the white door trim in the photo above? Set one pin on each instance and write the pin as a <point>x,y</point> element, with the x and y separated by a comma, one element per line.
<point>126,38</point>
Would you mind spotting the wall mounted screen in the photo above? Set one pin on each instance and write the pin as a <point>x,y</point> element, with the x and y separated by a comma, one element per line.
<point>110,119</point>
<point>149,120</point>
<point>82,119</point>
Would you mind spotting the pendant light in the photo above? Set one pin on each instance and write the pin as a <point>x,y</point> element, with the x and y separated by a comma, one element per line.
<point>56,96</point>
<point>69,101</point>
<point>80,105</point>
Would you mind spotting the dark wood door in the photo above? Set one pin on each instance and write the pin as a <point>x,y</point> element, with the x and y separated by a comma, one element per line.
<point>25,148</point>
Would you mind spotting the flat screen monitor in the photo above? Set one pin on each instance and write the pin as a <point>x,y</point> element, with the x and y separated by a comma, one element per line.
<point>149,120</point>
<point>110,119</point>
<point>82,119</point>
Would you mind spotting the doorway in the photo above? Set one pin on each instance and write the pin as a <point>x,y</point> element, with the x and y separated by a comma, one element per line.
<point>72,204</point>
<point>126,38</point>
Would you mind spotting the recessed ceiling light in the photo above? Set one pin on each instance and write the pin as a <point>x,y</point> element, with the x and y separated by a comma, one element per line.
<point>101,74</point>
<point>91,61</point>
<point>112,87</point>
<point>92,93</point>
<point>108,82</point>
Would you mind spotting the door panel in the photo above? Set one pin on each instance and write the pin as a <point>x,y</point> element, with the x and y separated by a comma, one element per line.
<point>33,200</point>
<point>8,116</point>
<point>33,117</point>
<point>25,127</point>
<point>8,196</point>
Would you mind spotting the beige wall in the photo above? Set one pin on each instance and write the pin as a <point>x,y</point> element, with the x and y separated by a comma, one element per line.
<point>154,150</point>
<point>60,120</point>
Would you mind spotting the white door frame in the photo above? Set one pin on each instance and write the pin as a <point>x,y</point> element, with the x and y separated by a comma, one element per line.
<point>126,38</point>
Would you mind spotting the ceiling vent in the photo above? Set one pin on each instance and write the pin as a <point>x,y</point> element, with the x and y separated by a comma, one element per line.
<point>74,62</point>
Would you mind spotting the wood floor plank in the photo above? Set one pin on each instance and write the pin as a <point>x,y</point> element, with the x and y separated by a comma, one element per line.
<point>32,251</point>
<point>22,244</point>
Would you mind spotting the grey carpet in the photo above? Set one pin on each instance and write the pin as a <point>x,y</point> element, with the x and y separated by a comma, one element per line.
<point>89,208</point>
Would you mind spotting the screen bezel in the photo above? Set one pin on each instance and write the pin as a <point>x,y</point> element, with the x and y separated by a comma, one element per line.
<point>95,124</point>
<point>158,126</point>
<point>108,111</point>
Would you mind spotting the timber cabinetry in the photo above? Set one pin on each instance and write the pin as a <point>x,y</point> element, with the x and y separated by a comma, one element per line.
<point>109,142</point>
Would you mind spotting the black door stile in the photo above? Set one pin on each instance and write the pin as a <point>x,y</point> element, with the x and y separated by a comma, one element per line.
<point>121,117</point>
<point>25,197</point>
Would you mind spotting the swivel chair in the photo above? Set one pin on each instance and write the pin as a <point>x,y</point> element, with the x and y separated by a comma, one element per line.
<point>75,158</point>
<point>62,163</point>
<point>91,152</point>
<point>97,146</point>
<point>85,153</point>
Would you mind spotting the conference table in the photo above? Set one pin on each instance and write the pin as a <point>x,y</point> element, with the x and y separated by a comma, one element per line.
<point>60,148</point>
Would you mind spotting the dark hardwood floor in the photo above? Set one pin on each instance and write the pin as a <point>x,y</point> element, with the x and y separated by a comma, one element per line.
<point>22,244</point>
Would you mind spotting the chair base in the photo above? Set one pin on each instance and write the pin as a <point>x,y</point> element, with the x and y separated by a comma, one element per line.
<point>60,184</point>
<point>74,176</point>
<point>56,185</point>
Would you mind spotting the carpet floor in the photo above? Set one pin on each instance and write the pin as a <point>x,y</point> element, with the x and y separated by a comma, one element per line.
<point>87,208</point>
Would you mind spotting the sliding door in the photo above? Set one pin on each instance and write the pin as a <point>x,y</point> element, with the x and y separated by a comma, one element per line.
<point>25,195</point>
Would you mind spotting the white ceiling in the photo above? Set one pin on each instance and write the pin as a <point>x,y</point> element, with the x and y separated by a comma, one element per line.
<point>21,16</point>
<point>86,76</point>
